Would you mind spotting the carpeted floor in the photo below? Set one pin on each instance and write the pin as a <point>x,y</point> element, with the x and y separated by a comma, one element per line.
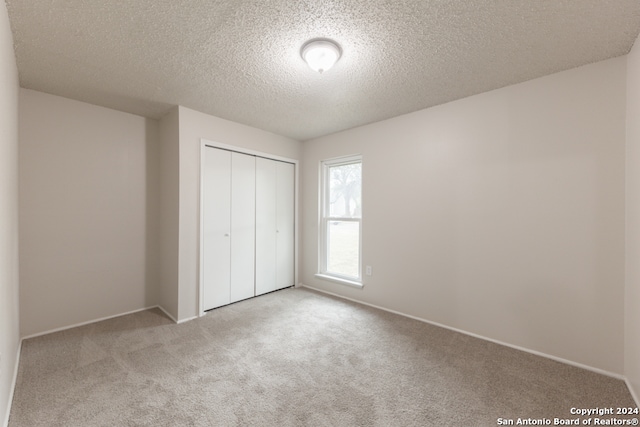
<point>291,358</point>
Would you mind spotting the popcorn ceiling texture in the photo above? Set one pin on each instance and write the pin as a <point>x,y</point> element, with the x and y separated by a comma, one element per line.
<point>240,59</point>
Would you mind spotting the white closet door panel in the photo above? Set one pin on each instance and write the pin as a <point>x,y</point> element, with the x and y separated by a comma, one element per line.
<point>216,227</point>
<point>265,225</point>
<point>285,189</point>
<point>243,211</point>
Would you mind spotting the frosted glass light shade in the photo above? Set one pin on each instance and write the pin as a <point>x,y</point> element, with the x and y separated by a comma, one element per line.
<point>320,54</point>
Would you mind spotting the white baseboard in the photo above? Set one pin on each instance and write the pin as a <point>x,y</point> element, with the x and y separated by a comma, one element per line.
<point>633,392</point>
<point>166,313</point>
<point>13,386</point>
<point>88,322</point>
<point>188,319</point>
<point>170,316</point>
<point>516,347</point>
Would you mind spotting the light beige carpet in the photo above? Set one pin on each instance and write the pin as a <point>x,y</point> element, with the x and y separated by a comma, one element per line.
<point>291,358</point>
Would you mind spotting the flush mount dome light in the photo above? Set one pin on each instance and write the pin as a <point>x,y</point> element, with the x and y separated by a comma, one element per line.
<point>320,54</point>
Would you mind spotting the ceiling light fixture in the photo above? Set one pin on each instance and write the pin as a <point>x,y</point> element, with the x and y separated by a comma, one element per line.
<point>320,54</point>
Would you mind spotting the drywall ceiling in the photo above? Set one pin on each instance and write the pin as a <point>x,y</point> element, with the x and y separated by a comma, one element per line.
<point>240,59</point>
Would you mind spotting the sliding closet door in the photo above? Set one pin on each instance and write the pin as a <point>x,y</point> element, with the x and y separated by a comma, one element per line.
<point>285,228</point>
<point>216,223</point>
<point>248,226</point>
<point>266,225</point>
<point>243,218</point>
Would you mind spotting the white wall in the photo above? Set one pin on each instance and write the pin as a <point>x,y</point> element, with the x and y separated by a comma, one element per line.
<point>501,214</point>
<point>194,126</point>
<point>9,322</point>
<point>632,294</point>
<point>169,203</point>
<point>88,201</point>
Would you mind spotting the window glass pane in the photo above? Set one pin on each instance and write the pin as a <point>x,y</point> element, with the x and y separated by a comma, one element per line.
<point>345,184</point>
<point>344,246</point>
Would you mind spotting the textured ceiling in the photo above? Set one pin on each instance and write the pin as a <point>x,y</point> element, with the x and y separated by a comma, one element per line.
<point>240,59</point>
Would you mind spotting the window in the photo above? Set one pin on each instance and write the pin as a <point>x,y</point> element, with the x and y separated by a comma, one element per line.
<point>341,219</point>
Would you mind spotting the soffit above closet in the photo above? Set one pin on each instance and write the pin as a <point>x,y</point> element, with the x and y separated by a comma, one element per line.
<point>240,59</point>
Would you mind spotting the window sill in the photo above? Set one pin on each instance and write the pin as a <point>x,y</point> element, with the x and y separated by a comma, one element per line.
<point>340,280</point>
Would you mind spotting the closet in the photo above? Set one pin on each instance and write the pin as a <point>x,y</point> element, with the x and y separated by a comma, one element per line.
<point>248,216</point>
<point>274,212</point>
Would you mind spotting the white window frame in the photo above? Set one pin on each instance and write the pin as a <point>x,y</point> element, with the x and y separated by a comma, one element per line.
<point>325,218</point>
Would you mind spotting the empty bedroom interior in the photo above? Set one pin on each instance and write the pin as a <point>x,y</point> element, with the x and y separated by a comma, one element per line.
<point>511,214</point>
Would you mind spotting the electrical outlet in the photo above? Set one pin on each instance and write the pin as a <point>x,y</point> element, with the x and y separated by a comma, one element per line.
<point>368,270</point>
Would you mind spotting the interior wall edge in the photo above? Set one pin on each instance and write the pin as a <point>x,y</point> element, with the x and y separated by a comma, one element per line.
<point>632,224</point>
<point>169,205</point>
<point>9,217</point>
<point>474,335</point>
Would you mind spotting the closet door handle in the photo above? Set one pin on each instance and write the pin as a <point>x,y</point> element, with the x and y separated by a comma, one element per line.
<point>226,234</point>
